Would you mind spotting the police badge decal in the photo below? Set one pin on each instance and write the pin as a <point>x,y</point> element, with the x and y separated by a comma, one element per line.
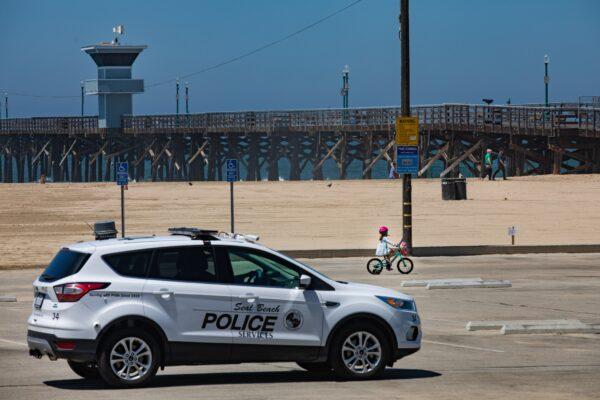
<point>293,320</point>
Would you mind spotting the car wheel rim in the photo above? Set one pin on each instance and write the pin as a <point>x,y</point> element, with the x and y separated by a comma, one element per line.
<point>130,358</point>
<point>361,352</point>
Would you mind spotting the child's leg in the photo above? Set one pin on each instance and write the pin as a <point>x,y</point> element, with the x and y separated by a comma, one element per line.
<point>388,257</point>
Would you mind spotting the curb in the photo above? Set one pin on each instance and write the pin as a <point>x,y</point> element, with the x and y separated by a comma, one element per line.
<point>490,283</point>
<point>432,251</point>
<point>449,251</point>
<point>498,325</point>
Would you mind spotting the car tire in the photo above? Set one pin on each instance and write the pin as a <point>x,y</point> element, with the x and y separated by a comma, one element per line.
<point>315,367</point>
<point>129,358</point>
<point>359,351</point>
<point>85,369</point>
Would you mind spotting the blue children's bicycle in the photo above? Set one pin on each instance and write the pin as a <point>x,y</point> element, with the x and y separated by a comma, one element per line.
<point>404,264</point>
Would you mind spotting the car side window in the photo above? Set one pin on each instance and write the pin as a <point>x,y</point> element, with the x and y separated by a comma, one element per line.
<point>190,264</point>
<point>132,264</point>
<point>254,268</point>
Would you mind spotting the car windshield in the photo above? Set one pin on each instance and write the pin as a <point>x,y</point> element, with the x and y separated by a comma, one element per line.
<point>313,269</point>
<point>65,263</point>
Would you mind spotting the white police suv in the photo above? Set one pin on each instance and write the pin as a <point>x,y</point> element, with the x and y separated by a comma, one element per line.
<point>119,309</point>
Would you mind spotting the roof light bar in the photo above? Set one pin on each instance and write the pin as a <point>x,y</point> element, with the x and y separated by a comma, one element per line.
<point>195,233</point>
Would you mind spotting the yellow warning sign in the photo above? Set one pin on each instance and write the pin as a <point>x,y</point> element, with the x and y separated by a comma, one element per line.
<point>407,131</point>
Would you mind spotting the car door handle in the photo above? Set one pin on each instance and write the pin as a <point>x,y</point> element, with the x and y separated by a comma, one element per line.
<point>250,298</point>
<point>330,304</point>
<point>164,293</point>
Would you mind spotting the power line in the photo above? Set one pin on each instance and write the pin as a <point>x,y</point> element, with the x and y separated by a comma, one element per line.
<point>260,48</point>
<point>217,65</point>
<point>39,96</point>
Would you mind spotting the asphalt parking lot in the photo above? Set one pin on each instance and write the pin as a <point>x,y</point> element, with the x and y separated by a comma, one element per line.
<point>452,363</point>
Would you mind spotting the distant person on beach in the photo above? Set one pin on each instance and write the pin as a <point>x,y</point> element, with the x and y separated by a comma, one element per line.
<point>487,164</point>
<point>501,165</point>
<point>393,174</point>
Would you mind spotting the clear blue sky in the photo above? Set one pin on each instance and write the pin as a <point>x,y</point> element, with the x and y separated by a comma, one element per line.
<point>461,51</point>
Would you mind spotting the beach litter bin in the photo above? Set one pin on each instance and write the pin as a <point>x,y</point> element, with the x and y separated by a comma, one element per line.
<point>460,189</point>
<point>448,191</point>
<point>454,189</point>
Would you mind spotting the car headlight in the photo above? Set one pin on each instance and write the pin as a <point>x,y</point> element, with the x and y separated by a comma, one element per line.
<point>399,304</point>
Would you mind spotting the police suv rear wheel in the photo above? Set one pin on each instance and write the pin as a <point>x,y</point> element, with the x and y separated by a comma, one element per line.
<point>85,369</point>
<point>129,358</point>
<point>359,351</point>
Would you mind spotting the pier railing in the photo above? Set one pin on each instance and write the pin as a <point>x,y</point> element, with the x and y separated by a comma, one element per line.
<point>50,125</point>
<point>517,120</point>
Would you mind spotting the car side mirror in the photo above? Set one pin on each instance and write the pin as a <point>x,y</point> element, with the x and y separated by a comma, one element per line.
<point>304,281</point>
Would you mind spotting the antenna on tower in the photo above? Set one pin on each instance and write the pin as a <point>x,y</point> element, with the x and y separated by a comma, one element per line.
<point>118,31</point>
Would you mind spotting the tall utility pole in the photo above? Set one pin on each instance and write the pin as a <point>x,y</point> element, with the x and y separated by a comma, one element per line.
<point>177,96</point>
<point>82,100</point>
<point>405,112</point>
<point>6,105</point>
<point>546,77</point>
<point>187,98</point>
<point>345,86</point>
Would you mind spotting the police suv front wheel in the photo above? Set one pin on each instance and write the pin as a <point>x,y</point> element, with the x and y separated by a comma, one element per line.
<point>129,358</point>
<point>359,351</point>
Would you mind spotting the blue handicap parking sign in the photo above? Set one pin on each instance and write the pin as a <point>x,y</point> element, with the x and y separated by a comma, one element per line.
<point>408,159</point>
<point>122,173</point>
<point>123,167</point>
<point>122,179</point>
<point>233,173</point>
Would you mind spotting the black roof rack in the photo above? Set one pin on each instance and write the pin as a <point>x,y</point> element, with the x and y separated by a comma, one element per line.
<point>195,233</point>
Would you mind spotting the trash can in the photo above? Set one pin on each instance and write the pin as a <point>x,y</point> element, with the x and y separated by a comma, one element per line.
<point>454,189</point>
<point>460,188</point>
<point>448,190</point>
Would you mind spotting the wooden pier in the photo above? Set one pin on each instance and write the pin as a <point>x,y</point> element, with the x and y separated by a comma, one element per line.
<point>561,138</point>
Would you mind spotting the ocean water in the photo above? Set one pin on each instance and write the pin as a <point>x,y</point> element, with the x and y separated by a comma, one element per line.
<point>330,171</point>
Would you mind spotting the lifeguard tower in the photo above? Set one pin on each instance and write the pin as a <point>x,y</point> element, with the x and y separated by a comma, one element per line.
<point>114,85</point>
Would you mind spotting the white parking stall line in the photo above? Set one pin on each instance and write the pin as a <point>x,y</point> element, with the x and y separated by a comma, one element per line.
<point>443,320</point>
<point>462,346</point>
<point>13,342</point>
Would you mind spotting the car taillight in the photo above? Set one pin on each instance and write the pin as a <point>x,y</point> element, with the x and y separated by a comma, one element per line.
<point>71,292</point>
<point>65,345</point>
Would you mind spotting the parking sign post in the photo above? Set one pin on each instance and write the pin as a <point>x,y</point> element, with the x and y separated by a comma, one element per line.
<point>233,174</point>
<point>122,180</point>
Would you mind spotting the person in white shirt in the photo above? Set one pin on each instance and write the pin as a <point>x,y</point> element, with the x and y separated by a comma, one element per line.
<point>385,246</point>
<point>393,174</point>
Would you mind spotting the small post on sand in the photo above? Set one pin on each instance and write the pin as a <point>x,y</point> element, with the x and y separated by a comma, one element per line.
<point>512,232</point>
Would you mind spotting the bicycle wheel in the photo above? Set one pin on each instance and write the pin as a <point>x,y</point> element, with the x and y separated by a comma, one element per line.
<point>375,266</point>
<point>404,265</point>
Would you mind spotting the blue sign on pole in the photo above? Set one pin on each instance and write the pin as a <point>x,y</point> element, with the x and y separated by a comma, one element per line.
<point>233,172</point>
<point>122,173</point>
<point>408,159</point>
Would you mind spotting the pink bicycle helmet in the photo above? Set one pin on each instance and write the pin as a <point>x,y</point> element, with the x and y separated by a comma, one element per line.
<point>383,229</point>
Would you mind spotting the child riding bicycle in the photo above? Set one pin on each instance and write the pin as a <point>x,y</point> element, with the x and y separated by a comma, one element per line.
<point>385,247</point>
<point>390,252</point>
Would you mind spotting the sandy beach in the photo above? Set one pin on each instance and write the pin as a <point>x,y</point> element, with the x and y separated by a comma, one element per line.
<point>36,219</point>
